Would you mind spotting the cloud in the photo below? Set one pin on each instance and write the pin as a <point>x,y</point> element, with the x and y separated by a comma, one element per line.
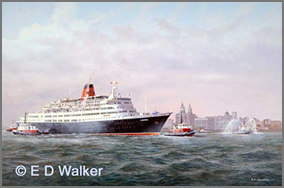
<point>222,66</point>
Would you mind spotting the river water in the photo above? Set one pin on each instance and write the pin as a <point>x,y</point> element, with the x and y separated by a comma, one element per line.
<point>212,159</point>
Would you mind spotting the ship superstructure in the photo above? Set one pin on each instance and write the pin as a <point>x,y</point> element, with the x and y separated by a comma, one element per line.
<point>96,114</point>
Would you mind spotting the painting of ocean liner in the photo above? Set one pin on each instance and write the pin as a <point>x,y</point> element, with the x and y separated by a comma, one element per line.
<point>141,94</point>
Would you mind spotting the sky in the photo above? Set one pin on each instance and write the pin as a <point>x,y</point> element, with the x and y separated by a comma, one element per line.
<point>215,56</point>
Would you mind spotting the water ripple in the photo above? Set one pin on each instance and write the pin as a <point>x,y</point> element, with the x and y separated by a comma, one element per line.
<point>214,159</point>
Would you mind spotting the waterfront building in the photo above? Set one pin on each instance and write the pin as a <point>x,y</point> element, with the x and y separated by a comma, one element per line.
<point>234,115</point>
<point>201,123</point>
<point>191,116</point>
<point>219,122</point>
<point>273,125</point>
<point>211,122</point>
<point>216,123</point>
<point>266,122</point>
<point>181,117</point>
<point>185,117</point>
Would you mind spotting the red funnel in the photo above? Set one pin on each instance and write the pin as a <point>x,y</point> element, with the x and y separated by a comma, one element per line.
<point>88,91</point>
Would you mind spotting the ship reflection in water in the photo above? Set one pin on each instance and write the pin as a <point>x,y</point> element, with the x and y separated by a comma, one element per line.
<point>214,159</point>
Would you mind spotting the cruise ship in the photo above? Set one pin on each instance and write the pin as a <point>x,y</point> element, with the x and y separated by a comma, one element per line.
<point>95,114</point>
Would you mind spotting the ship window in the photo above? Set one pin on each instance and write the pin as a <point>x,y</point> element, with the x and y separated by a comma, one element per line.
<point>90,114</point>
<point>59,115</point>
<point>74,120</point>
<point>55,116</point>
<point>66,120</point>
<point>107,108</point>
<point>48,116</point>
<point>66,115</point>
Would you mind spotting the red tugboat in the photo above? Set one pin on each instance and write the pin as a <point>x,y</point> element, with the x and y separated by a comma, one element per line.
<point>181,129</point>
<point>26,129</point>
<point>12,127</point>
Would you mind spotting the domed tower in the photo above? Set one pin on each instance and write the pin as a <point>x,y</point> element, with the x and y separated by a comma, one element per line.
<point>181,116</point>
<point>189,112</point>
<point>182,108</point>
<point>227,114</point>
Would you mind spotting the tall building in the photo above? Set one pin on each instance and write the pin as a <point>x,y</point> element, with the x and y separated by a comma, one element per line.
<point>189,111</point>
<point>211,122</point>
<point>201,123</point>
<point>266,122</point>
<point>218,123</point>
<point>234,115</point>
<point>181,117</point>
<point>191,116</point>
<point>185,117</point>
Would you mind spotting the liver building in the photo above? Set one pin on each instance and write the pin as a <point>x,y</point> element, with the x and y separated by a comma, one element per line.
<point>185,117</point>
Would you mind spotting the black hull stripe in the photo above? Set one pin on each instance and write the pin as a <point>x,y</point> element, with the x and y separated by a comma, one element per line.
<point>153,125</point>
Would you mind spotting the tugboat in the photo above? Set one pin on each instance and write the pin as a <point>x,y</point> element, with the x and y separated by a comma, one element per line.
<point>181,129</point>
<point>243,131</point>
<point>26,129</point>
<point>203,131</point>
<point>12,127</point>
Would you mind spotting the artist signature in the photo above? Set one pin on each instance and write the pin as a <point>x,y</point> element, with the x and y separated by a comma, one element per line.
<point>260,179</point>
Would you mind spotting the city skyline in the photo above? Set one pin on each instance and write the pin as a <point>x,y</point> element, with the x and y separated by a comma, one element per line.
<point>221,121</point>
<point>217,56</point>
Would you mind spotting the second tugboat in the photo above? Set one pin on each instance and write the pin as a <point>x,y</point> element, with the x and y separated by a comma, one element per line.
<point>12,127</point>
<point>26,129</point>
<point>204,131</point>
<point>181,129</point>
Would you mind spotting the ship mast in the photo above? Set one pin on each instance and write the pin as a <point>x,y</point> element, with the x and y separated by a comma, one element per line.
<point>114,86</point>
